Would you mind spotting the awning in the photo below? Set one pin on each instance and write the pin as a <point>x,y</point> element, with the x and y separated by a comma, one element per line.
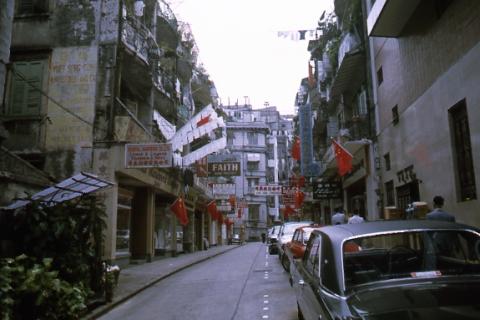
<point>71,188</point>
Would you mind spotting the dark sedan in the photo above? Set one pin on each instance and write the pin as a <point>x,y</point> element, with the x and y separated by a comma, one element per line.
<point>390,270</point>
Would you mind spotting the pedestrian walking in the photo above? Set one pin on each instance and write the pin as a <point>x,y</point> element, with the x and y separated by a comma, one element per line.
<point>438,213</point>
<point>356,218</point>
<point>338,217</point>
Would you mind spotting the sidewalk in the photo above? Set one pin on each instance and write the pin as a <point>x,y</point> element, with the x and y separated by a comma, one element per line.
<point>136,278</point>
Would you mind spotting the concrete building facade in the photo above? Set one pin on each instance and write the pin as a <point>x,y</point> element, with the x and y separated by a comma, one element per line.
<point>86,79</point>
<point>425,73</point>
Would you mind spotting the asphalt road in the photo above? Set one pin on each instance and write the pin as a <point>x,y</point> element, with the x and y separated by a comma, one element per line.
<point>243,284</point>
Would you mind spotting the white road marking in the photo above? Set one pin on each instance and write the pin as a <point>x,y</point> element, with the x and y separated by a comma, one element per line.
<point>264,317</point>
<point>265,295</point>
<point>265,308</point>
<point>265,301</point>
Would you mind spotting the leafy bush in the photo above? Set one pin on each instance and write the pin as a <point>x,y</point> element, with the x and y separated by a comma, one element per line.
<point>34,291</point>
<point>58,264</point>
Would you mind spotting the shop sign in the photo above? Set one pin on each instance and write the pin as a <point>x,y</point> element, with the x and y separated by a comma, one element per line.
<point>148,155</point>
<point>268,190</point>
<point>223,188</point>
<point>224,169</point>
<point>289,190</point>
<point>326,190</point>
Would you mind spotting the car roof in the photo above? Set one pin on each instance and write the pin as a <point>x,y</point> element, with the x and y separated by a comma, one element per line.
<point>309,227</point>
<point>338,233</point>
<point>342,231</point>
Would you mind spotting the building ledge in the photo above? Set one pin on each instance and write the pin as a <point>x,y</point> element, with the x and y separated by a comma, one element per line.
<point>387,18</point>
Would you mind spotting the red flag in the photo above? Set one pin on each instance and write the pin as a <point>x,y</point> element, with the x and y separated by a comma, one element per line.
<point>296,149</point>
<point>178,207</point>
<point>299,196</point>
<point>344,159</point>
<point>212,209</point>
<point>203,121</point>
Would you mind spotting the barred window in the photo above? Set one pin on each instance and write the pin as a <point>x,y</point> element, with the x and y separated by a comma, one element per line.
<point>462,149</point>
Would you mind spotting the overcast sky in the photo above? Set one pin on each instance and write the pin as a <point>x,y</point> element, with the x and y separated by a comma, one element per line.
<point>241,49</point>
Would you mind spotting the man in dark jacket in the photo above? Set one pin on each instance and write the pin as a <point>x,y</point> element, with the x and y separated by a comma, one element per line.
<point>438,213</point>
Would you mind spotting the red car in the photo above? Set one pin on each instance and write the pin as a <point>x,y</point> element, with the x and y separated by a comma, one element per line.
<point>296,248</point>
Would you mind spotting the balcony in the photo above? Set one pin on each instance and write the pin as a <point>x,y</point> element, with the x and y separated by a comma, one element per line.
<point>387,18</point>
<point>351,67</point>
<point>165,12</point>
<point>166,83</point>
<point>128,128</point>
<point>136,37</point>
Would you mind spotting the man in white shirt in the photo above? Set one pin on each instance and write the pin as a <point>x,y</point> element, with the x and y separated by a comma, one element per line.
<point>338,217</point>
<point>356,218</point>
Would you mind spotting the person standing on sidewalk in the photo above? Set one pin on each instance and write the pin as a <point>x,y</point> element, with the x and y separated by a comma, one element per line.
<point>437,213</point>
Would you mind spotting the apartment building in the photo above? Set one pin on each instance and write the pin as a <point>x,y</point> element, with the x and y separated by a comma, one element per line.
<point>260,139</point>
<point>86,80</point>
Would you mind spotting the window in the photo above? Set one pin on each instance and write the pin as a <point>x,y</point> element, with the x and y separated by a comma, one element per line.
<point>390,193</point>
<point>386,157</point>
<point>311,263</point>
<point>362,103</point>
<point>230,138</point>
<point>462,149</point>
<point>379,76</point>
<point>252,182</point>
<point>254,212</point>
<point>252,138</point>
<point>25,97</point>
<point>395,116</point>
<point>32,6</point>
<point>252,166</point>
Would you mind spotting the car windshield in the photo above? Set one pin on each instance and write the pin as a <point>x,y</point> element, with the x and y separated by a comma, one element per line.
<point>411,255</point>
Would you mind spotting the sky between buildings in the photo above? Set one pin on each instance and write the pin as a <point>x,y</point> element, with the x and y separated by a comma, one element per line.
<point>251,48</point>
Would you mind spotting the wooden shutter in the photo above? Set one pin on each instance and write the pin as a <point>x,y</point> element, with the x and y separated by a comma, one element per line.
<point>25,96</point>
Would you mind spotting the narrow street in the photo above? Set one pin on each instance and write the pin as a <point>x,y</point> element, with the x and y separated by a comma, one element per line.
<point>244,283</point>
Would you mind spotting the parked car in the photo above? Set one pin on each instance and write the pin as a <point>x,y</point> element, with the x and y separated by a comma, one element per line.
<point>296,248</point>
<point>286,233</point>
<point>404,269</point>
<point>235,239</point>
<point>272,239</point>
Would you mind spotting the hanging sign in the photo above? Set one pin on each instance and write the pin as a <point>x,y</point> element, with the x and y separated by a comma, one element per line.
<point>148,155</point>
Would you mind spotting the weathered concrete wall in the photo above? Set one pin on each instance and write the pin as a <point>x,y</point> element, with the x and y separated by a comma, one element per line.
<point>6,18</point>
<point>72,83</point>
